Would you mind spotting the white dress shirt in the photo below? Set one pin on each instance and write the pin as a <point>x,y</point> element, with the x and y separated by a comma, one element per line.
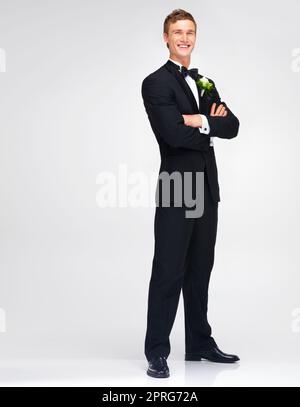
<point>205,129</point>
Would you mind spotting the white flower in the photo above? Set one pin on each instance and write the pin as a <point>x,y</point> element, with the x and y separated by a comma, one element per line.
<point>204,79</point>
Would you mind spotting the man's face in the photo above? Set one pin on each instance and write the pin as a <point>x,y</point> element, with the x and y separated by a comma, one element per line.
<point>181,38</point>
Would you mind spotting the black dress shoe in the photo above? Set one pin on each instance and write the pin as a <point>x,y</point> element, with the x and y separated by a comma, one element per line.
<point>213,355</point>
<point>158,367</point>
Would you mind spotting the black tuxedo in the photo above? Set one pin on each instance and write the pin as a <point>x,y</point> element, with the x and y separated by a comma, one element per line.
<point>184,247</point>
<point>167,96</point>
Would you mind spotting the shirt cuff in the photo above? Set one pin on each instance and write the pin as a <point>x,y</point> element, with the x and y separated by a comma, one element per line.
<point>205,129</point>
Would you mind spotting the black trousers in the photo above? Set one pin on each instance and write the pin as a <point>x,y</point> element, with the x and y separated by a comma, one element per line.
<point>183,260</point>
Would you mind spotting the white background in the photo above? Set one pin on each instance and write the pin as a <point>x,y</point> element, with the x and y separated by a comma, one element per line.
<point>73,276</point>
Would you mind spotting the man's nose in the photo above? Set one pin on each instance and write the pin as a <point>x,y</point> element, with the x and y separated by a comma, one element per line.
<point>184,37</point>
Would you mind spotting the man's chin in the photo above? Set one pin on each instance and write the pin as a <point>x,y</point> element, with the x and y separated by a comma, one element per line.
<point>180,56</point>
<point>183,54</point>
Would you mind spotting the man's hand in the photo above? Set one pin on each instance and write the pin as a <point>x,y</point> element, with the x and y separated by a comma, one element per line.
<point>221,111</point>
<point>195,120</point>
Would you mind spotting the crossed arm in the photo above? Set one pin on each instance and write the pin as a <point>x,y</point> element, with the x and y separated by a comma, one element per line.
<point>195,120</point>
<point>223,123</point>
<point>179,130</point>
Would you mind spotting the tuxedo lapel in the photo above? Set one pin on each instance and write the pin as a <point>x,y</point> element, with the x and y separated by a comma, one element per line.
<point>203,100</point>
<point>173,69</point>
<point>206,101</point>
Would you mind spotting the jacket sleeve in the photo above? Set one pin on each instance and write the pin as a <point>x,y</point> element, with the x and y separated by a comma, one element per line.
<point>222,126</point>
<point>165,118</point>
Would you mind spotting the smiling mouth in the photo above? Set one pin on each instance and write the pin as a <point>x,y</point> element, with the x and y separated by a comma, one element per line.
<point>183,46</point>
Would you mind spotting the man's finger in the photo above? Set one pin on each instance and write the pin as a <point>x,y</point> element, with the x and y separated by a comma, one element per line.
<point>219,109</point>
<point>222,111</point>
<point>212,110</point>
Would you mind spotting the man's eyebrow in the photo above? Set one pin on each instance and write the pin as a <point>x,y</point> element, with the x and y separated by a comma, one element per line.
<point>178,29</point>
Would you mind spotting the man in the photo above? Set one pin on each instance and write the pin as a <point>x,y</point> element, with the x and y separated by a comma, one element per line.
<point>185,113</point>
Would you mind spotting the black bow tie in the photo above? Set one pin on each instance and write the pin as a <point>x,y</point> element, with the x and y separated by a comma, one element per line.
<point>191,72</point>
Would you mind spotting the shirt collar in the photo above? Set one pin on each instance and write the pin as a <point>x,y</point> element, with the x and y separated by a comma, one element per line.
<point>176,62</point>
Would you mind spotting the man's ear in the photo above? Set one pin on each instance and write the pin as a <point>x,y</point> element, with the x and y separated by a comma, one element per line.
<point>165,36</point>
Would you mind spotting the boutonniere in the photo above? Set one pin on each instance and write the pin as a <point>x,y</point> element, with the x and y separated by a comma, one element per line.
<point>204,84</point>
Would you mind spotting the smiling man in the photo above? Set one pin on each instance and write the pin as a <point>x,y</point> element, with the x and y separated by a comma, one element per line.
<point>185,113</point>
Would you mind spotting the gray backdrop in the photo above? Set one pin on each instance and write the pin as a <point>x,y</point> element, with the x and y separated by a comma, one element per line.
<point>74,276</point>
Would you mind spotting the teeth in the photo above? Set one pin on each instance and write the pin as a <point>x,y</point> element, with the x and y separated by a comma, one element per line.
<point>183,46</point>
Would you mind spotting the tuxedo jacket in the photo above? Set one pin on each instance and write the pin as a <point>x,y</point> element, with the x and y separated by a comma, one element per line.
<point>167,96</point>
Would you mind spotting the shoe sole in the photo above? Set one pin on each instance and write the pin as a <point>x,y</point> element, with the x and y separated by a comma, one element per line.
<point>194,357</point>
<point>157,375</point>
<point>199,358</point>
